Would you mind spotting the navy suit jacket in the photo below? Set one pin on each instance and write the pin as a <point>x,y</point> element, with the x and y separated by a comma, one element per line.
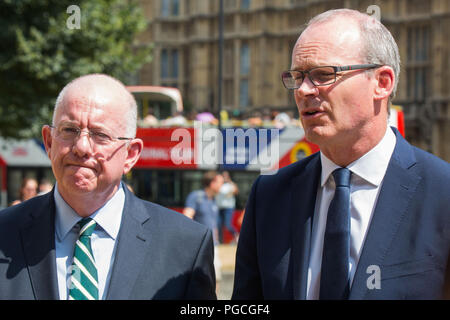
<point>160,253</point>
<point>408,237</point>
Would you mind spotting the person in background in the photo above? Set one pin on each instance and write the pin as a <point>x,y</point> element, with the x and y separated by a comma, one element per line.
<point>28,190</point>
<point>226,201</point>
<point>282,120</point>
<point>200,206</point>
<point>367,217</point>
<point>45,186</point>
<point>150,120</point>
<point>177,120</point>
<point>91,238</point>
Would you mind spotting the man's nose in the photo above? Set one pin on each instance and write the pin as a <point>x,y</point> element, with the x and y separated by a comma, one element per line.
<point>82,144</point>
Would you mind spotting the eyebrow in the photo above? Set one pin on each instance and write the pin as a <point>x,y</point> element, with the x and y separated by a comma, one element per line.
<point>310,66</point>
<point>93,127</point>
<point>68,122</point>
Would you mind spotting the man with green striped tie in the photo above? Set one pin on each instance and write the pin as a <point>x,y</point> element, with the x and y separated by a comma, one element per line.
<point>90,237</point>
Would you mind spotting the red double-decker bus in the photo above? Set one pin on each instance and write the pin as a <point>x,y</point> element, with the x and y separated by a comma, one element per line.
<point>176,155</point>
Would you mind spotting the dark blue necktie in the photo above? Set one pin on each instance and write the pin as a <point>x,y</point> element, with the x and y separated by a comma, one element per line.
<point>334,280</point>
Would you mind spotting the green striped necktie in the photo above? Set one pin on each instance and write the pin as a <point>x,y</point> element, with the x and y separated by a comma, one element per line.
<point>84,280</point>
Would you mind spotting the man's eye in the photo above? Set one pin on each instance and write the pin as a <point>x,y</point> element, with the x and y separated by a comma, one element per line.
<point>100,136</point>
<point>69,130</point>
<point>323,76</point>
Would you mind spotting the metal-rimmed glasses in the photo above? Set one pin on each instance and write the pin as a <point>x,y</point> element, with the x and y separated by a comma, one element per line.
<point>69,133</point>
<point>319,76</point>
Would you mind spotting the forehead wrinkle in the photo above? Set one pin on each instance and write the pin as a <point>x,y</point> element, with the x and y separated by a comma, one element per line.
<point>80,103</point>
<point>310,54</point>
<point>328,44</point>
<point>97,93</point>
<point>107,98</point>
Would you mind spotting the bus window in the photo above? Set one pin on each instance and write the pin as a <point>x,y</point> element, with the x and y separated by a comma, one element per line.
<point>170,188</point>
<point>161,102</point>
<point>244,180</point>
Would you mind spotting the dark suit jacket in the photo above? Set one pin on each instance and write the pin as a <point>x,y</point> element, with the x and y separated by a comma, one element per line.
<point>160,253</point>
<point>408,237</point>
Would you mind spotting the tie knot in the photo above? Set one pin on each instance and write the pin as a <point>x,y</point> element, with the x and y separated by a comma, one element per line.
<point>342,177</point>
<point>87,226</point>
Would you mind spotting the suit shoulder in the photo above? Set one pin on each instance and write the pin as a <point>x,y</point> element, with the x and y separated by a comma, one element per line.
<point>21,211</point>
<point>292,170</point>
<point>10,215</point>
<point>16,217</point>
<point>432,165</point>
<point>173,218</point>
<point>418,160</point>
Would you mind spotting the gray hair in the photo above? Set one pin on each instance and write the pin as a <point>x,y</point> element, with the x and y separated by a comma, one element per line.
<point>379,46</point>
<point>130,116</point>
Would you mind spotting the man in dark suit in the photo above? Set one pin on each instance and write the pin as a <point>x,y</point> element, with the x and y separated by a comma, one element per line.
<point>90,238</point>
<point>368,216</point>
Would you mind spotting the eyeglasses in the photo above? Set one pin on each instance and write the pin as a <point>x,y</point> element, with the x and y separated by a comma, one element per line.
<point>67,132</point>
<point>319,76</point>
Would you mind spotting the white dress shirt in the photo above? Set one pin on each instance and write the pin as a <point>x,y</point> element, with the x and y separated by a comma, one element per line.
<point>365,184</point>
<point>103,240</point>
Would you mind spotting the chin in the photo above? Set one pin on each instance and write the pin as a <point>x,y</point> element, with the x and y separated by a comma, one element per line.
<point>79,186</point>
<point>315,134</point>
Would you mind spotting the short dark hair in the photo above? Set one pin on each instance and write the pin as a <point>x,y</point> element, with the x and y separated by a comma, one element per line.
<point>208,177</point>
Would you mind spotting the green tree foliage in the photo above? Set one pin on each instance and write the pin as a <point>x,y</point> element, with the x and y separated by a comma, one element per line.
<point>40,54</point>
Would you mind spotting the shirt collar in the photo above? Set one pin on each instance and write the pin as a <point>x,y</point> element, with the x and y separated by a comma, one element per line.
<point>371,166</point>
<point>328,167</point>
<point>108,217</point>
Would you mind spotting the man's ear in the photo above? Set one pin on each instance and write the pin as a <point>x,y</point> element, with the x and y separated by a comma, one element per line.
<point>47,137</point>
<point>385,80</point>
<point>134,151</point>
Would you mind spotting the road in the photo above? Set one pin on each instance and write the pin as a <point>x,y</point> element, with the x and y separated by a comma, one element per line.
<point>227,253</point>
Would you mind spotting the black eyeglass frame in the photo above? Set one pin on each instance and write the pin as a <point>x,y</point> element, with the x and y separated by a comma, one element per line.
<point>89,133</point>
<point>335,68</point>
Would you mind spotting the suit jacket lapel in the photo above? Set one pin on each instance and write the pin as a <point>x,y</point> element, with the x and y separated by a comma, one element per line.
<point>38,240</point>
<point>133,242</point>
<point>398,188</point>
<point>303,200</point>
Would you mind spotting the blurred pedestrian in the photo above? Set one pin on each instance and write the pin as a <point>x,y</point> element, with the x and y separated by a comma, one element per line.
<point>45,186</point>
<point>282,120</point>
<point>206,117</point>
<point>201,207</point>
<point>28,190</point>
<point>177,120</point>
<point>226,201</point>
<point>150,120</point>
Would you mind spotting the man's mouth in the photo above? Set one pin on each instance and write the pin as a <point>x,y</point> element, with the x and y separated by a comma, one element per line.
<point>310,112</point>
<point>81,166</point>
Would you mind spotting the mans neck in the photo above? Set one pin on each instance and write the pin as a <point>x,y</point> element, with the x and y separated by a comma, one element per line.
<point>85,204</point>
<point>352,149</point>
